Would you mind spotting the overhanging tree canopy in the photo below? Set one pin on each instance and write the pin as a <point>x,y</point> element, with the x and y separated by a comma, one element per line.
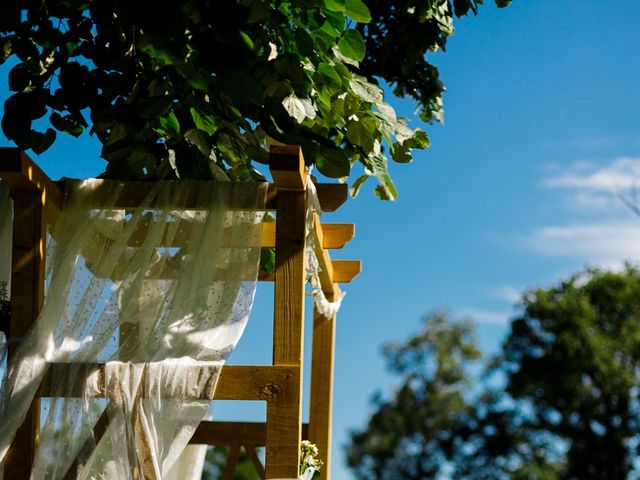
<point>194,89</point>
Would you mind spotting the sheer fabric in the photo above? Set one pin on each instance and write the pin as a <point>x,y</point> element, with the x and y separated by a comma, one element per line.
<point>158,296</point>
<point>326,308</point>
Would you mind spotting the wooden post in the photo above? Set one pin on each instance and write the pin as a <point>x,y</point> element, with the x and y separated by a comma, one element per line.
<point>324,331</point>
<point>284,413</point>
<point>27,296</point>
<point>36,200</point>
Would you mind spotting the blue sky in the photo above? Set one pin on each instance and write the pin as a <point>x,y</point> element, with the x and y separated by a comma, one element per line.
<point>519,189</point>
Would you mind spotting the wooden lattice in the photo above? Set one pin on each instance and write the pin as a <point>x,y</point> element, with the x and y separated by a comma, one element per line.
<point>38,202</point>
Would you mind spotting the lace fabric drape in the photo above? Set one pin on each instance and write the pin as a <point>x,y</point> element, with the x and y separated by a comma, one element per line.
<point>158,296</point>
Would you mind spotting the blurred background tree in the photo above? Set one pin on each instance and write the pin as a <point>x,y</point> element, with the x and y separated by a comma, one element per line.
<point>560,401</point>
<point>216,459</point>
<point>411,433</point>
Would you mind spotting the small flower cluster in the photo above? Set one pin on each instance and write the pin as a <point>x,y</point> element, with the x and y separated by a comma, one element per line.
<point>309,465</point>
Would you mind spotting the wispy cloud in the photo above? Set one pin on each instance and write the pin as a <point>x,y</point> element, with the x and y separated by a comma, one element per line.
<point>610,234</point>
<point>620,174</point>
<point>506,293</point>
<point>603,244</point>
<point>595,142</point>
<point>492,317</point>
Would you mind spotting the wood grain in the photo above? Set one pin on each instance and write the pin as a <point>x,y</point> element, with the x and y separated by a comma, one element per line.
<point>287,167</point>
<point>21,174</point>
<point>321,407</point>
<point>27,296</point>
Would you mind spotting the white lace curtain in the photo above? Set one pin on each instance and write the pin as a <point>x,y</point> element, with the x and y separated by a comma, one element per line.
<point>150,293</point>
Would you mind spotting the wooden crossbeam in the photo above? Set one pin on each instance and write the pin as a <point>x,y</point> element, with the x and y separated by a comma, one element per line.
<point>335,235</point>
<point>227,433</point>
<point>326,274</point>
<point>331,195</point>
<point>344,271</point>
<point>237,382</point>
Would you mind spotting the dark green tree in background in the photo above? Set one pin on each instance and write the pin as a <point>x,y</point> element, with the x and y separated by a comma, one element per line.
<point>216,460</point>
<point>560,401</point>
<point>410,435</point>
<point>198,89</point>
<point>574,357</point>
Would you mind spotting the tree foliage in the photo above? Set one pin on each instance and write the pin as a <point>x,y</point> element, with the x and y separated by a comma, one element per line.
<point>216,460</point>
<point>574,356</point>
<point>563,400</point>
<point>197,89</point>
<point>409,436</point>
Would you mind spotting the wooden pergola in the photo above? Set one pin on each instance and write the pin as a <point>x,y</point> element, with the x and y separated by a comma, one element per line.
<point>38,202</point>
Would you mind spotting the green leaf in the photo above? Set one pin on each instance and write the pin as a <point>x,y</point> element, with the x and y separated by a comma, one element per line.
<point>335,5</point>
<point>294,108</point>
<point>193,76</point>
<point>333,164</point>
<point>39,142</point>
<point>336,19</point>
<point>362,132</point>
<point>142,162</point>
<point>206,123</point>
<point>377,165</point>
<point>352,45</point>
<point>330,74</point>
<point>358,11</point>
<point>234,148</point>
<point>6,49</point>
<point>170,124</point>
<point>267,259</point>
<point>66,124</point>
<point>199,139</point>
<point>401,151</point>
<point>20,78</point>
<point>246,39</point>
<point>365,90</point>
<point>357,185</point>
<point>118,132</point>
<point>161,55</point>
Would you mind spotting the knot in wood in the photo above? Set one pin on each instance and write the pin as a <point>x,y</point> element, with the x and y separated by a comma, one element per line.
<point>270,391</point>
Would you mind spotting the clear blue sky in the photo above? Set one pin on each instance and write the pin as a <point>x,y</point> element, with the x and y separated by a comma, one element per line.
<point>518,190</point>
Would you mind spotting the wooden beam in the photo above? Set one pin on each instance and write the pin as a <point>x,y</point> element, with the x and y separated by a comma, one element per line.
<point>344,271</point>
<point>324,262</point>
<point>227,433</point>
<point>335,235</point>
<point>331,195</point>
<point>237,382</point>
<point>290,278</point>
<point>287,167</point>
<point>321,405</point>
<point>284,418</point>
<point>27,297</point>
<point>21,174</point>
